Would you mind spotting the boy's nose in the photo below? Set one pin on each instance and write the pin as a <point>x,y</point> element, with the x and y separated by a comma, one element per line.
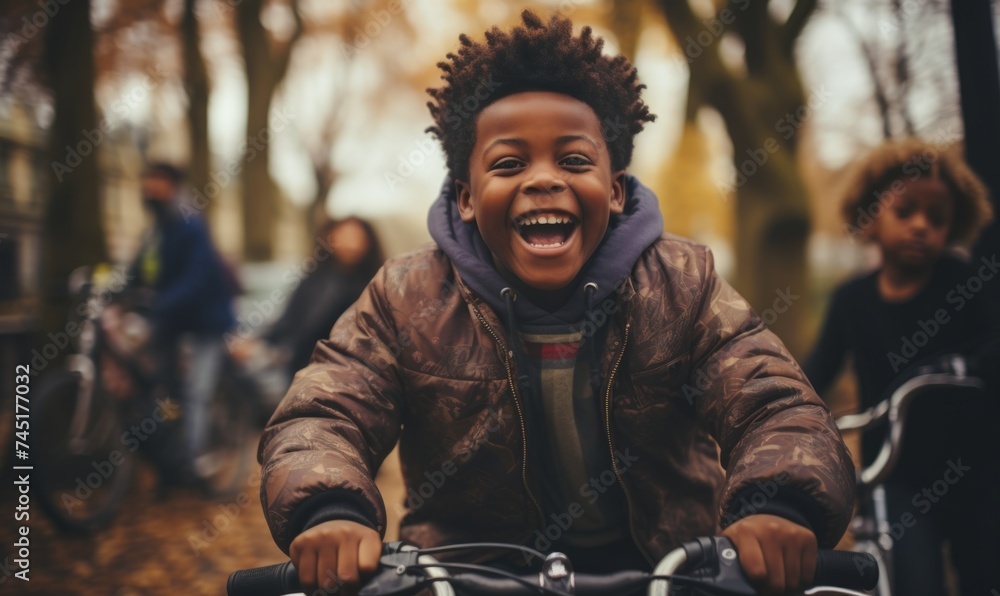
<point>544,180</point>
<point>920,223</point>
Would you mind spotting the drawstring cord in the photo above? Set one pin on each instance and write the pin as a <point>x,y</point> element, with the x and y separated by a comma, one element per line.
<point>523,381</point>
<point>509,296</point>
<point>595,372</point>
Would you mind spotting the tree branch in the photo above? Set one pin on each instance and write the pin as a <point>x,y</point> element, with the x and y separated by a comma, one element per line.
<point>755,26</point>
<point>795,23</point>
<point>713,84</point>
<point>901,69</point>
<point>284,56</point>
<point>706,67</point>
<point>881,97</point>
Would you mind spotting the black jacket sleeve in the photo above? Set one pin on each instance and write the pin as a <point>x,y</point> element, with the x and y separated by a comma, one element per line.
<point>827,357</point>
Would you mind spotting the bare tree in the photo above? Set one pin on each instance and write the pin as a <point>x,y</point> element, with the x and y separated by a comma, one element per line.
<point>74,231</point>
<point>762,103</point>
<point>266,61</point>
<point>626,22</point>
<point>197,85</point>
<point>319,141</point>
<point>331,43</point>
<point>976,55</point>
<point>905,51</point>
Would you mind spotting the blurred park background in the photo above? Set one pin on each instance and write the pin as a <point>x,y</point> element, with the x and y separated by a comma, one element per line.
<point>285,112</point>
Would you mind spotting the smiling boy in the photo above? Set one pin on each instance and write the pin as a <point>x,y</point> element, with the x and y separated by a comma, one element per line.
<point>536,364</point>
<point>541,230</point>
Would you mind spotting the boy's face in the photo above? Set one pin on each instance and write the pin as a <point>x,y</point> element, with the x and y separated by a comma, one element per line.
<point>913,231</point>
<point>540,190</point>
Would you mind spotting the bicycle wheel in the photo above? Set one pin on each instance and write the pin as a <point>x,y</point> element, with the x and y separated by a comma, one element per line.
<point>225,463</point>
<point>81,472</point>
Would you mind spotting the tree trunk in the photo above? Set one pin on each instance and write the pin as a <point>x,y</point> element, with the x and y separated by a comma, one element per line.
<point>762,110</point>
<point>198,87</point>
<point>265,67</point>
<point>771,243</point>
<point>979,85</point>
<point>260,205</point>
<point>626,22</point>
<point>74,228</point>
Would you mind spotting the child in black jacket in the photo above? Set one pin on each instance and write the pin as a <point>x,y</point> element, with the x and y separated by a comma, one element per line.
<point>914,201</point>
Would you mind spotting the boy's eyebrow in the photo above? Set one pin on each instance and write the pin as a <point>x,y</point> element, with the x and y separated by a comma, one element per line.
<point>507,141</point>
<point>570,138</point>
<point>517,142</point>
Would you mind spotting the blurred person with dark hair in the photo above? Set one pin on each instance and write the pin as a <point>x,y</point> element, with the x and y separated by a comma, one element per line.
<point>192,302</point>
<point>354,256</point>
<point>916,202</point>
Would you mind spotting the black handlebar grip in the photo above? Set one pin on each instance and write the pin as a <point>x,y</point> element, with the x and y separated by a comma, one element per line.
<point>620,582</point>
<point>846,569</point>
<point>264,581</point>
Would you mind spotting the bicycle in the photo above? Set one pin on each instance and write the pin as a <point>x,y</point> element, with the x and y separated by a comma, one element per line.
<point>87,421</point>
<point>708,565</point>
<point>871,526</point>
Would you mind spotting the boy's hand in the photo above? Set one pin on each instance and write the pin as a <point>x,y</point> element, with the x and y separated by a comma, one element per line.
<point>778,555</point>
<point>335,555</point>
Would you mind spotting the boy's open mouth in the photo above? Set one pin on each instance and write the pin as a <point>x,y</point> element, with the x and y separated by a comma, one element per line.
<point>545,229</point>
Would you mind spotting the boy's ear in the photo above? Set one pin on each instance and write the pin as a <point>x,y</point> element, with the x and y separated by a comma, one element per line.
<point>465,208</point>
<point>618,192</point>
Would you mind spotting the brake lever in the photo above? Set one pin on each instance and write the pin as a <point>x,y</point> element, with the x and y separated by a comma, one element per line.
<point>714,568</point>
<point>392,577</point>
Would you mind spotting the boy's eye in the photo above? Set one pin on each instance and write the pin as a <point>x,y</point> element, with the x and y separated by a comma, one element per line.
<point>506,164</point>
<point>576,160</point>
<point>936,218</point>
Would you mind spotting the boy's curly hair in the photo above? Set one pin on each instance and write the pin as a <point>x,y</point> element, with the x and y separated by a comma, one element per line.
<point>535,57</point>
<point>869,179</point>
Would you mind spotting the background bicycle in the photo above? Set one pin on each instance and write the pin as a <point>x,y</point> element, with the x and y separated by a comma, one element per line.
<point>942,474</point>
<point>91,420</point>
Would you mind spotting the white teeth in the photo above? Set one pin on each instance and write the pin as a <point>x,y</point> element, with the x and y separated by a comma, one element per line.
<point>544,219</point>
<point>547,245</point>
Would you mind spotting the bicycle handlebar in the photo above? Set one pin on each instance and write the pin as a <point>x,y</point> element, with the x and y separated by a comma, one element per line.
<point>621,582</point>
<point>271,580</point>
<point>840,569</point>
<point>948,371</point>
<point>846,569</point>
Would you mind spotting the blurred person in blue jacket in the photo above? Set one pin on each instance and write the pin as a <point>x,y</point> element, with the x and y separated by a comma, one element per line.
<point>192,302</point>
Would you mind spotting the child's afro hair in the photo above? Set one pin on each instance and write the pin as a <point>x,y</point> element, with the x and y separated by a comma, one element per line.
<point>535,57</point>
<point>868,182</point>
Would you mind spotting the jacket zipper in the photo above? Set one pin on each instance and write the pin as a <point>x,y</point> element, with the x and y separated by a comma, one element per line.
<point>520,415</point>
<point>611,445</point>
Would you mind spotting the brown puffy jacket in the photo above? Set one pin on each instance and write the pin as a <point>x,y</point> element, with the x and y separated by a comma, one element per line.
<point>692,378</point>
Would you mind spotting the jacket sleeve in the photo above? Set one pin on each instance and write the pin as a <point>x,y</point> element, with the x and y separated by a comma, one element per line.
<point>198,266</point>
<point>779,445</point>
<point>827,358</point>
<point>339,420</point>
